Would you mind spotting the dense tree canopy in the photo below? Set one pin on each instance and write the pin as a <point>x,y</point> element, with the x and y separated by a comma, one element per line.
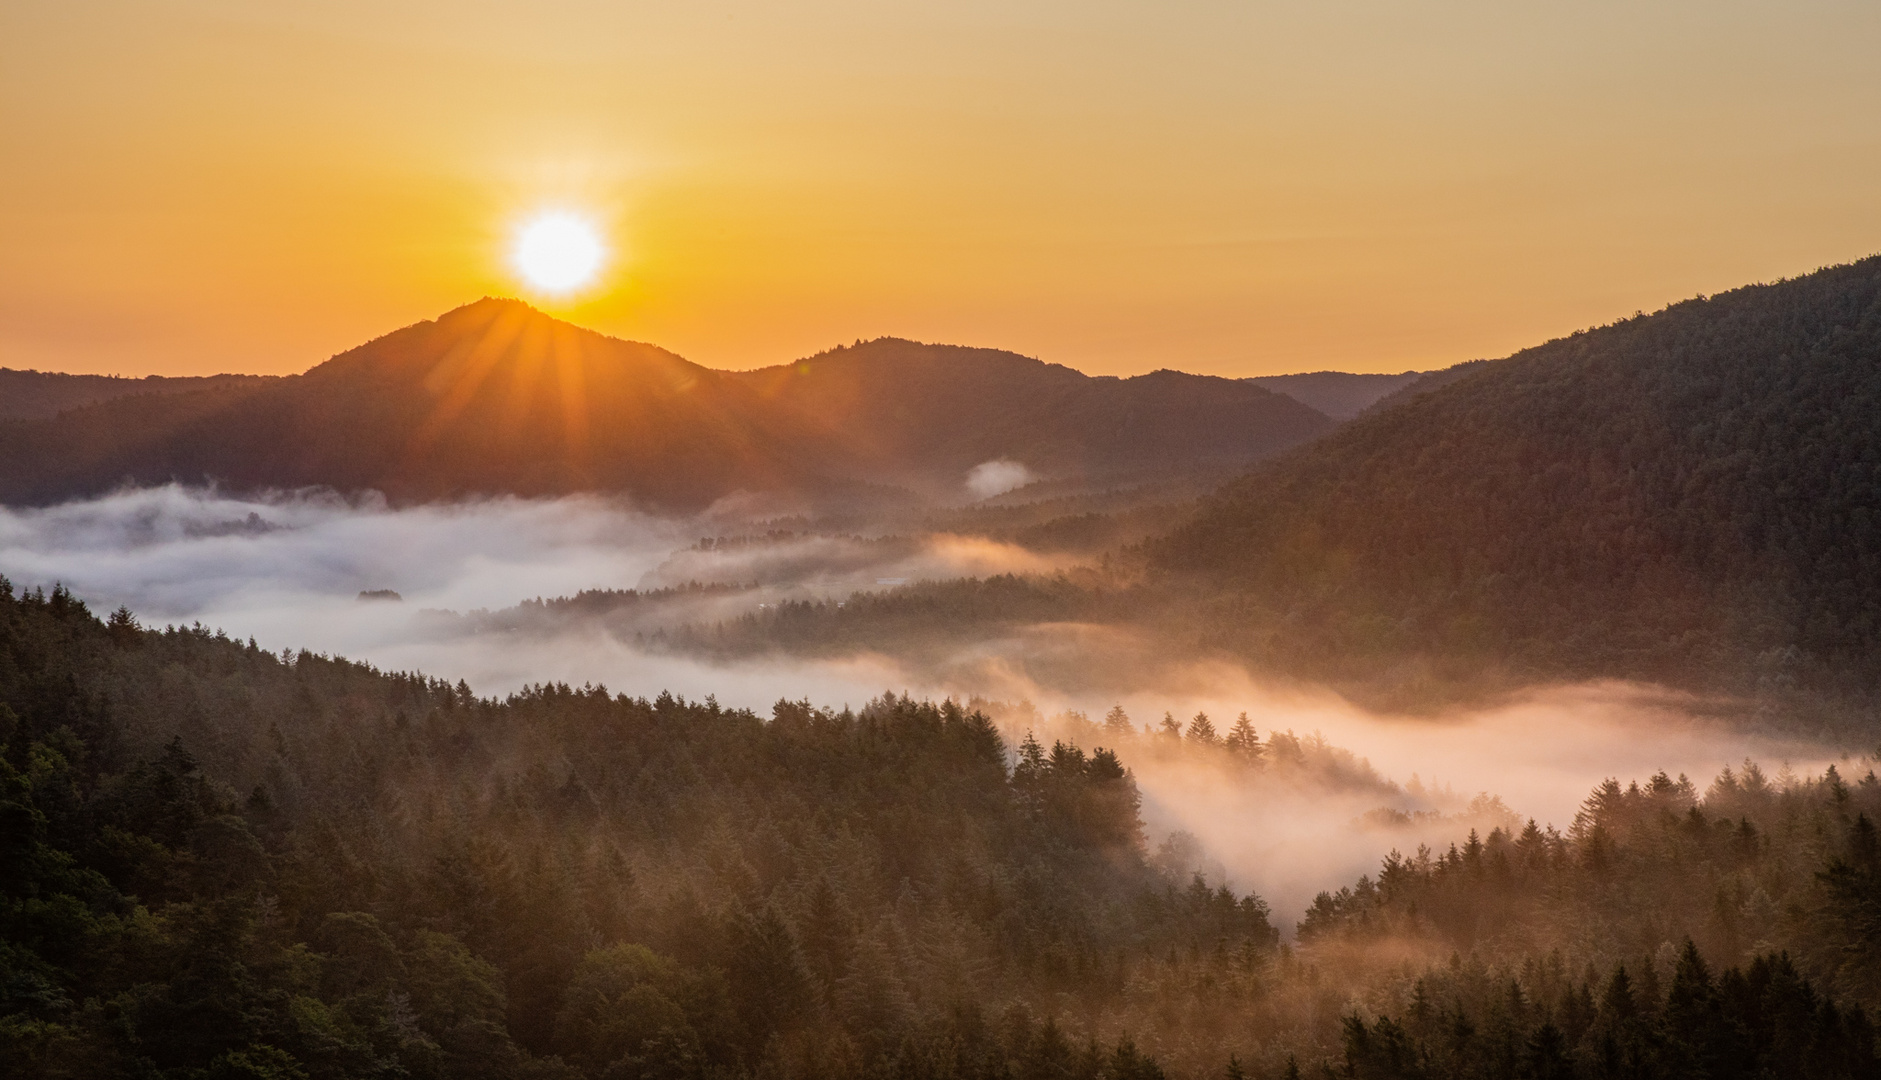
<point>219,862</point>
<point>220,859</point>
<point>1693,496</point>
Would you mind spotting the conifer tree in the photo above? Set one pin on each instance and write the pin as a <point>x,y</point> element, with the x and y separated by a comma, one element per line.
<point>1117,724</point>
<point>1243,740</point>
<point>1202,730</point>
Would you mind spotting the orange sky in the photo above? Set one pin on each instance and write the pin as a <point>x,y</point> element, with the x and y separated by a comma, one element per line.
<point>1237,188</point>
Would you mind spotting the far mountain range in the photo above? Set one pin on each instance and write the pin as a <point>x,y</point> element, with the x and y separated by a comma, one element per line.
<point>497,397</point>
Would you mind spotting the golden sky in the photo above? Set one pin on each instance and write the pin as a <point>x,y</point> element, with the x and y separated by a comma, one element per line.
<point>191,186</point>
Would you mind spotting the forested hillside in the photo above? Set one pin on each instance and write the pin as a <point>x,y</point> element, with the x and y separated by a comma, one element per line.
<point>1692,496</point>
<point>1778,884</point>
<point>219,862</point>
<point>220,859</point>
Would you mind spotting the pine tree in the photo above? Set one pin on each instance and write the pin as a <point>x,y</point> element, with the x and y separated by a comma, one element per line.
<point>123,628</point>
<point>1117,723</point>
<point>1202,730</point>
<point>1243,740</point>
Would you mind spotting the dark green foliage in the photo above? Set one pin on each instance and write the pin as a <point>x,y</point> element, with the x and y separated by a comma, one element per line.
<point>1749,866</point>
<point>420,883</point>
<point>1852,883</point>
<point>1766,1021</point>
<point>218,862</point>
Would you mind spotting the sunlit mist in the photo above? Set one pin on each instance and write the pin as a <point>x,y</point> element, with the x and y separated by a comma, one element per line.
<point>559,252</point>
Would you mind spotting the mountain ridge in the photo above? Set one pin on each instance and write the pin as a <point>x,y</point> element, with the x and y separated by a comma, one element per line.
<point>496,397</point>
<point>38,395</point>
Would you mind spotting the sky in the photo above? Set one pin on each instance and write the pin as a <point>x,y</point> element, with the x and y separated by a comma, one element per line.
<point>1255,187</point>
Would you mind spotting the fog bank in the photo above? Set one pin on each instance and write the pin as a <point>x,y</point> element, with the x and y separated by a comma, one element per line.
<point>288,571</point>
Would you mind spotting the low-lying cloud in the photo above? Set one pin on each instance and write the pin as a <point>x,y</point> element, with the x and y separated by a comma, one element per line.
<point>1289,833</point>
<point>288,571</point>
<point>990,478</point>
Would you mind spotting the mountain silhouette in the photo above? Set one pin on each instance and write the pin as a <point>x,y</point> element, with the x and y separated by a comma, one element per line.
<point>498,398</point>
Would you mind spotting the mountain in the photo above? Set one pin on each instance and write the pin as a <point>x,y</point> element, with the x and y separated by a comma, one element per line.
<point>1693,495</point>
<point>494,397</point>
<point>1341,395</point>
<point>903,406</point>
<point>498,398</point>
<point>35,395</point>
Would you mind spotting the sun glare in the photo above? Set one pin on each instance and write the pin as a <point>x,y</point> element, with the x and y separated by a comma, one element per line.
<point>558,252</point>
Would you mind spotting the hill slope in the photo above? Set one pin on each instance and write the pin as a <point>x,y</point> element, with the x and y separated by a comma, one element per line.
<point>498,398</point>
<point>493,397</point>
<point>939,410</point>
<point>1694,494</point>
<point>1341,395</point>
<point>36,395</point>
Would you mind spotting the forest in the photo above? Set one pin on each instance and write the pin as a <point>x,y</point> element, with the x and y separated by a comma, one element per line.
<point>225,862</point>
<point>1688,497</point>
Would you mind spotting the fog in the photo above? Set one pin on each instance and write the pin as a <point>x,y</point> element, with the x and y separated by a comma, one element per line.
<point>288,571</point>
<point>1290,833</point>
<point>990,478</point>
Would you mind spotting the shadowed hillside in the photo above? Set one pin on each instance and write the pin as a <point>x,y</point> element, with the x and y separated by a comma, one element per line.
<point>1692,495</point>
<point>942,409</point>
<point>1341,395</point>
<point>498,398</point>
<point>493,397</point>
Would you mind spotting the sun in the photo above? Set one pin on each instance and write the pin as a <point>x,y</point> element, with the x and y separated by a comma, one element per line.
<point>558,252</point>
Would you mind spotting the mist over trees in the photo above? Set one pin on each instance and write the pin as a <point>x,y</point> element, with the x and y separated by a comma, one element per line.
<point>366,874</point>
<point>223,862</point>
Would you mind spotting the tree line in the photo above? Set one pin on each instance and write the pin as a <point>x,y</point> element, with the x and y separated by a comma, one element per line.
<point>220,862</point>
